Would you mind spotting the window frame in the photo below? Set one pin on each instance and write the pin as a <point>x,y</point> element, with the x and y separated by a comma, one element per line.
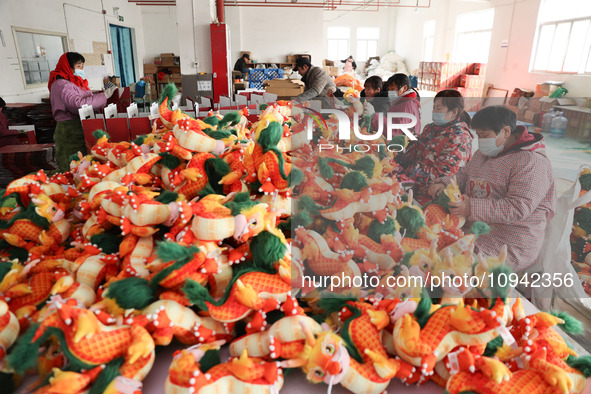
<point>337,40</point>
<point>429,36</point>
<point>15,29</point>
<point>585,57</point>
<point>366,41</point>
<point>481,30</point>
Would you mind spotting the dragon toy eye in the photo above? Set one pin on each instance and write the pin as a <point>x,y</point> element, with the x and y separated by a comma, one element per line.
<point>330,349</point>
<point>319,373</point>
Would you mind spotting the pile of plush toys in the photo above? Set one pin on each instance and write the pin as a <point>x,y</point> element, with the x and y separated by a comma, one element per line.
<point>580,238</point>
<point>187,234</point>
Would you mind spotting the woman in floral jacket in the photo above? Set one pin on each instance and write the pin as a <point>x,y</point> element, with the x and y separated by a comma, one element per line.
<point>444,146</point>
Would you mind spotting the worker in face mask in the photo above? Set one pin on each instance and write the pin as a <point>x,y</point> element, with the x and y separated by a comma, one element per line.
<point>69,91</point>
<point>509,184</point>
<point>403,98</point>
<point>443,147</point>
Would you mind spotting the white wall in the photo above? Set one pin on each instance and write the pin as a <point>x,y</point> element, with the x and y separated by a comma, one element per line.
<point>384,19</point>
<point>193,20</point>
<point>272,33</point>
<point>83,26</point>
<point>508,68</point>
<point>161,34</point>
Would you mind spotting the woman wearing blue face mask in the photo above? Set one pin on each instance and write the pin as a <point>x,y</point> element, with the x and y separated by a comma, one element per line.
<point>509,185</point>
<point>68,91</point>
<point>444,146</point>
<point>403,98</point>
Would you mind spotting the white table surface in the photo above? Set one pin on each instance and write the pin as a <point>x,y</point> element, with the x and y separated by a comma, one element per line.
<point>295,381</point>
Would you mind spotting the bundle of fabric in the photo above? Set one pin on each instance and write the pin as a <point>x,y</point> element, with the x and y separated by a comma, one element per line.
<point>389,64</point>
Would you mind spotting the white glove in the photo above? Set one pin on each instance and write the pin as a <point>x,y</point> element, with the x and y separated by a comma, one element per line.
<point>109,91</point>
<point>368,109</point>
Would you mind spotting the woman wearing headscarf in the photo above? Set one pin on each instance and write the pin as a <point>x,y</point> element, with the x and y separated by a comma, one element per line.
<point>68,91</point>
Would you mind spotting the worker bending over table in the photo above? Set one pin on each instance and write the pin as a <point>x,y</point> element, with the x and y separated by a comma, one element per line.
<point>508,184</point>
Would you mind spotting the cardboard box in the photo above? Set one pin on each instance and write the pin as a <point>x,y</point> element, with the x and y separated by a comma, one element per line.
<point>174,78</point>
<point>368,62</point>
<point>534,105</point>
<point>521,113</point>
<point>116,80</point>
<point>167,61</point>
<point>240,86</point>
<point>247,53</point>
<point>150,69</point>
<point>512,108</point>
<point>547,103</point>
<point>328,63</point>
<point>290,59</point>
<point>477,69</point>
<point>284,87</point>
<point>331,70</point>
<point>530,116</point>
<point>168,54</point>
<point>303,55</point>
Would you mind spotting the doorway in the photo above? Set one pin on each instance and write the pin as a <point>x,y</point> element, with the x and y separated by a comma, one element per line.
<point>123,53</point>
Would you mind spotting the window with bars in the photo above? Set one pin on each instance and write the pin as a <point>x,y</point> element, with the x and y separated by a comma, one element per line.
<point>38,53</point>
<point>428,40</point>
<point>338,43</point>
<point>367,42</point>
<point>473,34</point>
<point>563,38</point>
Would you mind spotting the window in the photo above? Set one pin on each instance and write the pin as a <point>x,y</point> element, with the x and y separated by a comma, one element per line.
<point>338,43</point>
<point>367,42</point>
<point>563,38</point>
<point>473,33</point>
<point>38,53</point>
<point>428,40</point>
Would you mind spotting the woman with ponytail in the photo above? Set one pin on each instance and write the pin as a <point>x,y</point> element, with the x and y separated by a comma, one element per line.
<point>444,146</point>
<point>68,91</point>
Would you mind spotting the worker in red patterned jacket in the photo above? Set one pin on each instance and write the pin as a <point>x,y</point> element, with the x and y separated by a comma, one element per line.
<point>508,184</point>
<point>444,146</point>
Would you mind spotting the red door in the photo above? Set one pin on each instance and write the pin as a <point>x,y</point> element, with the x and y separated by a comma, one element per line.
<point>219,60</point>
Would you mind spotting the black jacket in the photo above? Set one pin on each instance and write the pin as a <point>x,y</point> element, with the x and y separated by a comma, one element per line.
<point>380,102</point>
<point>240,65</point>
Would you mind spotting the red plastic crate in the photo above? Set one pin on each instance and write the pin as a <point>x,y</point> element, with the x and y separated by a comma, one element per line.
<point>118,129</point>
<point>139,126</point>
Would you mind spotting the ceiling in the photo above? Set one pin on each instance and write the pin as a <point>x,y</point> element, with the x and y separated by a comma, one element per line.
<point>327,5</point>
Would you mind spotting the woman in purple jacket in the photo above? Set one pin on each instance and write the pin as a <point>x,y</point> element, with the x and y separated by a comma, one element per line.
<point>68,91</point>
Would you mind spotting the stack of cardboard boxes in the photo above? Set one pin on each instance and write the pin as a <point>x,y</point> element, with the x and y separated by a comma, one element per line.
<point>467,78</point>
<point>170,65</point>
<point>531,106</point>
<point>285,89</point>
<point>532,109</point>
<point>329,67</point>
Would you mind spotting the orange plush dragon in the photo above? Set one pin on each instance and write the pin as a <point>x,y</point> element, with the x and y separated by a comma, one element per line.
<point>356,358</point>
<point>198,369</point>
<point>96,353</point>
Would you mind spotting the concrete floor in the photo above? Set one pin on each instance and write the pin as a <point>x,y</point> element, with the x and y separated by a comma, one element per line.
<point>567,155</point>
